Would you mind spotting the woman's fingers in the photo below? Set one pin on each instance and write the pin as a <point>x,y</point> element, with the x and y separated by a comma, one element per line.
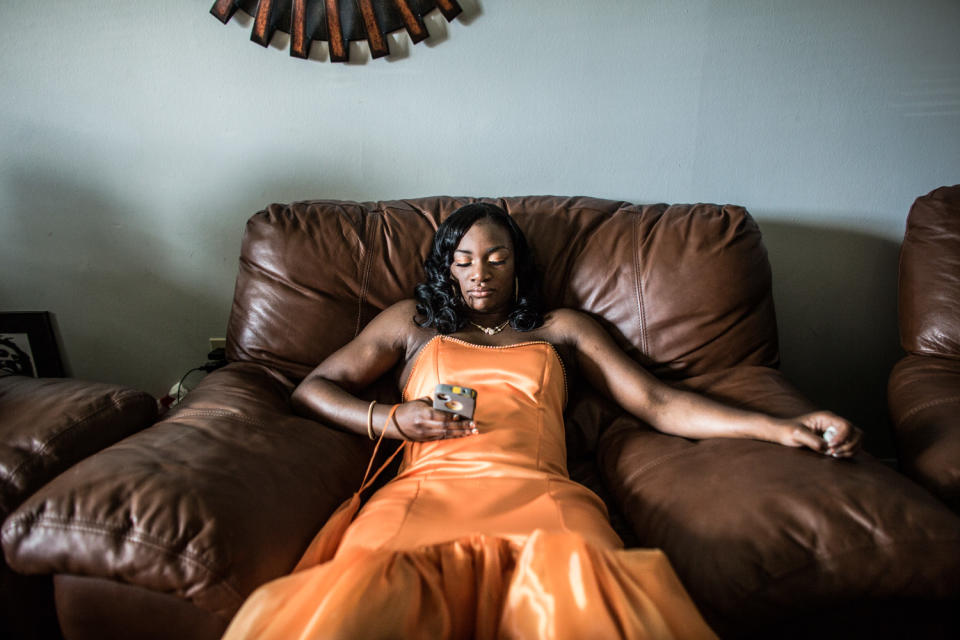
<point>425,423</point>
<point>804,437</point>
<point>842,438</point>
<point>848,445</point>
<point>838,438</point>
<point>453,426</point>
<point>438,425</point>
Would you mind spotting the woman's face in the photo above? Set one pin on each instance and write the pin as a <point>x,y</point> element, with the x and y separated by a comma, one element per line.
<point>483,266</point>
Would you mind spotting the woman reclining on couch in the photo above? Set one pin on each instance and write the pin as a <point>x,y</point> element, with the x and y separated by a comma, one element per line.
<point>482,534</point>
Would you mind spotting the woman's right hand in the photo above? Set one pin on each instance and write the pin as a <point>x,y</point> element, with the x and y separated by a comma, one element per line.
<point>418,421</point>
<point>825,432</point>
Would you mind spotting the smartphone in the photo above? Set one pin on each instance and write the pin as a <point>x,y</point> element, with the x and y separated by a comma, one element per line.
<point>455,399</point>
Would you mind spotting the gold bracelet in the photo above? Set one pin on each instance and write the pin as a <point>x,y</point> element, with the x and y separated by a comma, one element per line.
<point>370,420</point>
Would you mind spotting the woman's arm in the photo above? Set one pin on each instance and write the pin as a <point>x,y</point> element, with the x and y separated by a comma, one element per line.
<point>688,414</point>
<point>328,393</point>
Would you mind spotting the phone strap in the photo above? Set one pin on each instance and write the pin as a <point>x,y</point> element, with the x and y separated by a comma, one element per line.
<point>325,543</point>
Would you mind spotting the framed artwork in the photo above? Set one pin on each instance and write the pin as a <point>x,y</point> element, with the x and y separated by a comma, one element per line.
<point>28,345</point>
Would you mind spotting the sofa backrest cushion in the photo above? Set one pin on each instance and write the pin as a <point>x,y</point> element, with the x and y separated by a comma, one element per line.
<point>684,288</point>
<point>930,275</point>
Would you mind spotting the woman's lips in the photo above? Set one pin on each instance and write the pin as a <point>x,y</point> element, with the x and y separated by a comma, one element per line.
<point>480,293</point>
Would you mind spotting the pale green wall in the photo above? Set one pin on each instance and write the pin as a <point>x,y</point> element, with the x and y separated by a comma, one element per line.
<point>136,138</point>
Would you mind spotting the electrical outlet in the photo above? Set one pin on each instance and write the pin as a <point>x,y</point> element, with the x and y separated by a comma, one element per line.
<point>218,343</point>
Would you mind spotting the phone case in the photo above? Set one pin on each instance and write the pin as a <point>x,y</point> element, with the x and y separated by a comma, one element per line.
<point>455,399</point>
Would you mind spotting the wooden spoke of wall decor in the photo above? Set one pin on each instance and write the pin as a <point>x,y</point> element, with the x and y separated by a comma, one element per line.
<point>336,21</point>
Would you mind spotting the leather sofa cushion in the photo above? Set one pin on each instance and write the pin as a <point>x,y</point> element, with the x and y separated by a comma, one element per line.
<point>46,426</point>
<point>930,275</point>
<point>98,609</point>
<point>221,496</point>
<point>684,288</point>
<point>760,533</point>
<point>924,397</point>
<point>49,424</point>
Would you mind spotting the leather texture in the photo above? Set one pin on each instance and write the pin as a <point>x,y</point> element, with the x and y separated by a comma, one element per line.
<point>924,396</point>
<point>756,530</point>
<point>191,506</point>
<point>924,387</point>
<point>46,426</point>
<point>930,275</point>
<point>226,492</point>
<point>101,609</point>
<point>684,287</point>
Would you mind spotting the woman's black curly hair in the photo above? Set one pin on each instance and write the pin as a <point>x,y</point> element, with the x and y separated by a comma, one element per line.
<point>439,302</point>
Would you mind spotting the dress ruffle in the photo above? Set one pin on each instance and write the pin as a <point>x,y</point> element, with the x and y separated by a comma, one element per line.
<point>554,585</point>
<point>479,537</point>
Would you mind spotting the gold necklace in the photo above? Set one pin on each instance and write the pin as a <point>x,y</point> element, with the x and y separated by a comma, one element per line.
<point>490,331</point>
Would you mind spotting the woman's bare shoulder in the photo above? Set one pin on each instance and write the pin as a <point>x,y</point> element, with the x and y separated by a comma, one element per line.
<point>400,313</point>
<point>565,315</point>
<point>399,323</point>
<point>406,308</point>
<point>565,326</point>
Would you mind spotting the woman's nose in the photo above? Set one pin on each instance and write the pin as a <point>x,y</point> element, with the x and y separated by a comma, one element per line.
<point>480,273</point>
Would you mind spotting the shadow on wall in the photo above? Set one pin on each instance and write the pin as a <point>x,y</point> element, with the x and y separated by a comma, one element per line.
<point>102,267</point>
<point>835,292</point>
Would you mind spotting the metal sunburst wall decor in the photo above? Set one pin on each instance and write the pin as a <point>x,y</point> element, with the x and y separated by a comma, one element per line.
<point>336,21</point>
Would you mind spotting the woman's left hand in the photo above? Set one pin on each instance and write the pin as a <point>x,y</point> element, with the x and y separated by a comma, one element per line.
<point>825,432</point>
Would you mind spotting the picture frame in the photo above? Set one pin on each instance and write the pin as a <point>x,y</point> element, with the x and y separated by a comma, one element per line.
<point>28,345</point>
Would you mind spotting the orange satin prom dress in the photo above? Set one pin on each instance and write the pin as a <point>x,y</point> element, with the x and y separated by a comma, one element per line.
<point>478,537</point>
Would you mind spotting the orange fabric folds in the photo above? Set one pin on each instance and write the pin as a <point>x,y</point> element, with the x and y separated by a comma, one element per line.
<point>554,586</point>
<point>477,537</point>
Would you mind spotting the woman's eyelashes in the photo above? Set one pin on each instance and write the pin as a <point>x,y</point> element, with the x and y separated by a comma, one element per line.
<point>492,263</point>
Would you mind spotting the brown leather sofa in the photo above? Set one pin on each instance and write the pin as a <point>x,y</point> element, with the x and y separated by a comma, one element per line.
<point>924,389</point>
<point>164,534</point>
<point>46,426</point>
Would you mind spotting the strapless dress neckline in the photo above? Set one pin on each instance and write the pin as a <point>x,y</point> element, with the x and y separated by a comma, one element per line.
<point>467,343</point>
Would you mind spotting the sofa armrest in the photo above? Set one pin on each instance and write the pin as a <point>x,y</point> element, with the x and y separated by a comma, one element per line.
<point>929,290</point>
<point>218,498</point>
<point>760,533</point>
<point>49,424</point>
<point>924,399</point>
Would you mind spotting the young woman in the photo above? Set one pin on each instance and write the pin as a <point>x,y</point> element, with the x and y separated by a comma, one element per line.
<point>482,534</point>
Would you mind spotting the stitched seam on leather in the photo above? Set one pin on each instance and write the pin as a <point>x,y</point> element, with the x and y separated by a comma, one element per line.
<point>138,537</point>
<point>928,404</point>
<point>115,404</point>
<point>365,268</point>
<point>215,413</point>
<point>638,284</point>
